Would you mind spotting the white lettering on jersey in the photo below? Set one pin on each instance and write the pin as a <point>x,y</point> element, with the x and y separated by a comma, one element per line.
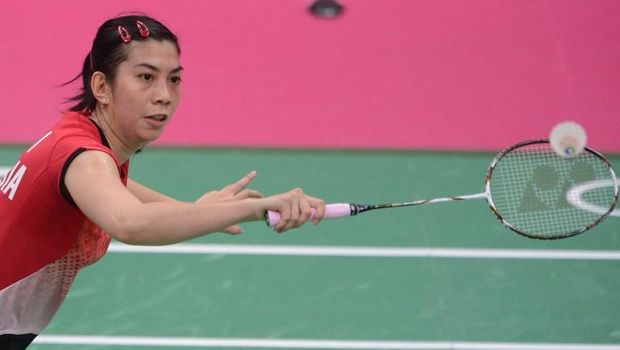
<point>5,180</point>
<point>12,180</point>
<point>9,182</point>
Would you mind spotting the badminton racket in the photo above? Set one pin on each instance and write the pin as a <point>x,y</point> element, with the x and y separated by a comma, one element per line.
<point>531,190</point>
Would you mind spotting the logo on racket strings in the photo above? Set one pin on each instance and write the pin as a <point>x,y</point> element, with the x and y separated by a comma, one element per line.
<point>549,185</point>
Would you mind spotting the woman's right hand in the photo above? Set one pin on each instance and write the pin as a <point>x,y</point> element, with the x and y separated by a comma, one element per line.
<point>295,208</point>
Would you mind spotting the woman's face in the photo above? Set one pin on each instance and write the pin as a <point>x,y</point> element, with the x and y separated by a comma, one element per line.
<point>146,91</point>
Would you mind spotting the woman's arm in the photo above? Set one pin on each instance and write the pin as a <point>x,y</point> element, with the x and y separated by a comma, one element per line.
<point>234,191</point>
<point>93,181</point>
<point>145,194</point>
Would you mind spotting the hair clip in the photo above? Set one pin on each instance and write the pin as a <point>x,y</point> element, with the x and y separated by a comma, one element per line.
<point>143,29</point>
<point>125,36</point>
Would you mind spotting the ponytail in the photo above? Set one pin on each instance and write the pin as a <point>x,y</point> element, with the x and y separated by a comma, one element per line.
<point>86,101</point>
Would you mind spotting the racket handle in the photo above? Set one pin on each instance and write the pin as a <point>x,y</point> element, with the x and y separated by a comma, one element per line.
<point>336,210</point>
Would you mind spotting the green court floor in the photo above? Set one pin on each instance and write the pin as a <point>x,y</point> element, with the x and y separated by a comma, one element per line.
<point>413,299</point>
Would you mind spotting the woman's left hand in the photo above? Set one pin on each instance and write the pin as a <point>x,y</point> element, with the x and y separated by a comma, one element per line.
<point>232,192</point>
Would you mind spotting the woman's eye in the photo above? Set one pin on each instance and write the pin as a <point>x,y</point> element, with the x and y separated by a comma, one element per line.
<point>175,80</point>
<point>146,77</point>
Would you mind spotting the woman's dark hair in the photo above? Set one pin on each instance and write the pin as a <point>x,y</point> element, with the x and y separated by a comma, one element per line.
<point>109,50</point>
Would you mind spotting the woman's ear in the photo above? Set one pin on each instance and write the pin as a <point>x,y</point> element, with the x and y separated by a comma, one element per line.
<point>100,88</point>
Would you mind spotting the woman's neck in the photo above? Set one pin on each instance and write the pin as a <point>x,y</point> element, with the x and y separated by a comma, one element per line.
<point>121,149</point>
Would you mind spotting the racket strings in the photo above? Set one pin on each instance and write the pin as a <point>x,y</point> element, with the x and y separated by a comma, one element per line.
<point>529,187</point>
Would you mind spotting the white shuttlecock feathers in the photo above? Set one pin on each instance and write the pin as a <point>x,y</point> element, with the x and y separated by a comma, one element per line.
<point>568,139</point>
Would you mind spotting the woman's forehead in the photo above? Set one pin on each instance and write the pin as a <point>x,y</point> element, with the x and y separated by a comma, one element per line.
<point>161,54</point>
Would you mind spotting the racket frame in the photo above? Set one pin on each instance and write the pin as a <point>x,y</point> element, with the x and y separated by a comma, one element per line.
<point>492,206</point>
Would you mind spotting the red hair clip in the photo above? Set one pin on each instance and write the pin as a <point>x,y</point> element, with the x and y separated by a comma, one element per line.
<point>143,29</point>
<point>125,36</point>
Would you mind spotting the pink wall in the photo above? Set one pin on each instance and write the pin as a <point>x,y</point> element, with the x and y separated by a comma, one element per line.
<point>438,74</point>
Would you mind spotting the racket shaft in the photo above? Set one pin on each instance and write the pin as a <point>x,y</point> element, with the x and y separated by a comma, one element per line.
<point>440,200</point>
<point>339,210</point>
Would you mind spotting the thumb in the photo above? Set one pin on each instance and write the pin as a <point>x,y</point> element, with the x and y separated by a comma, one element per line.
<point>233,230</point>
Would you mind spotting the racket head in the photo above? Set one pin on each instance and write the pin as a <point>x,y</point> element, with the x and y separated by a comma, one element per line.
<point>538,194</point>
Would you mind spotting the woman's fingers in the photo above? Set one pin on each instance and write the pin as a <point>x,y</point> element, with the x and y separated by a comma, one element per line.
<point>319,209</point>
<point>235,188</point>
<point>234,191</point>
<point>297,208</point>
<point>285,215</point>
<point>248,194</point>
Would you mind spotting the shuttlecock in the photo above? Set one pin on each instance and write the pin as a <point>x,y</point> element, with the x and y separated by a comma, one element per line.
<point>568,139</point>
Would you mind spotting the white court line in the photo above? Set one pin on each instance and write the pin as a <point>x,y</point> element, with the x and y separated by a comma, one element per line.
<point>384,252</point>
<point>574,196</point>
<point>309,343</point>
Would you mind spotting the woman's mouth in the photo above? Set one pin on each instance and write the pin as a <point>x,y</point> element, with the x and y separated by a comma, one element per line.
<point>158,117</point>
<point>157,120</point>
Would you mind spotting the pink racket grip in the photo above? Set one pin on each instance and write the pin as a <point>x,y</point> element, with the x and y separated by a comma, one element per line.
<point>336,210</point>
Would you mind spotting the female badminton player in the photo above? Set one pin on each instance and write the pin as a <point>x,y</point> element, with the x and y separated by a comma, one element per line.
<point>70,193</point>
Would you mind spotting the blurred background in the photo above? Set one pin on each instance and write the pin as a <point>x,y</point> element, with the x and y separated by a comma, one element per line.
<point>404,74</point>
